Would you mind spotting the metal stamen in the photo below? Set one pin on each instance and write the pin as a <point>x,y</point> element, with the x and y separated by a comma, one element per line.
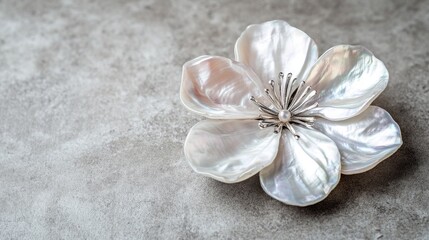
<point>298,91</point>
<point>314,105</point>
<point>276,97</point>
<point>297,99</point>
<point>279,83</point>
<point>273,101</point>
<point>292,130</point>
<point>303,101</point>
<point>286,88</point>
<point>262,106</point>
<point>308,125</point>
<point>289,90</point>
<point>268,111</point>
<point>306,119</point>
<point>265,125</point>
<point>279,128</point>
<point>284,84</point>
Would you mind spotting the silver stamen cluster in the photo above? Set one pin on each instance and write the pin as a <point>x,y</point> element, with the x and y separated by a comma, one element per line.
<point>288,107</point>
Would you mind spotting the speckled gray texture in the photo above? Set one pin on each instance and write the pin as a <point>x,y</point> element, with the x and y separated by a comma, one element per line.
<point>92,127</point>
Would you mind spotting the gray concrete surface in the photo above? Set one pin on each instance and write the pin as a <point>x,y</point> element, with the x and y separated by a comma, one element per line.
<point>92,128</point>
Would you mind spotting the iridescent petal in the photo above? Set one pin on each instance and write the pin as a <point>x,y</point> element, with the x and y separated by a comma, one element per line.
<point>347,79</point>
<point>275,46</point>
<point>220,88</point>
<point>305,170</point>
<point>230,150</point>
<point>364,140</point>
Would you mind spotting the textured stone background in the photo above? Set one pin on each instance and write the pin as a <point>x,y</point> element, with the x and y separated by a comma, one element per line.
<point>92,127</point>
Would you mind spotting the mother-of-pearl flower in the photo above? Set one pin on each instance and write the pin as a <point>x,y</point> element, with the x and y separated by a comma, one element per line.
<point>301,130</point>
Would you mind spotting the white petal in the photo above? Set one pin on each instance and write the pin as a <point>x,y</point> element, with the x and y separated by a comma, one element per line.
<point>305,170</point>
<point>218,87</point>
<point>275,46</point>
<point>364,140</point>
<point>230,150</point>
<point>347,79</point>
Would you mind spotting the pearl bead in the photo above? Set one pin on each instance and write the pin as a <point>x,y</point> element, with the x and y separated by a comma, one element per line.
<point>284,116</point>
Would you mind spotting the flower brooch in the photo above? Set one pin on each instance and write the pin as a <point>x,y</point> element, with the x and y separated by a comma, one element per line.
<point>278,109</point>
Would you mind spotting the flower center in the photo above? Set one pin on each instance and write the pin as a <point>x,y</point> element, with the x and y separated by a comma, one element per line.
<point>284,116</point>
<point>288,102</point>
